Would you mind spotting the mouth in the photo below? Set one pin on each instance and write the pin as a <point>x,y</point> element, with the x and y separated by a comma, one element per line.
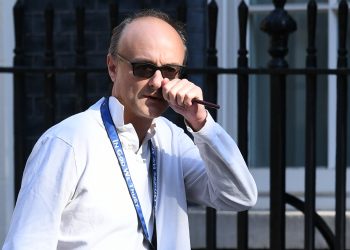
<point>155,97</point>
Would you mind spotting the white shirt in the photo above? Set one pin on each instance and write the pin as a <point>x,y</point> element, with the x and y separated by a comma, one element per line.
<point>73,195</point>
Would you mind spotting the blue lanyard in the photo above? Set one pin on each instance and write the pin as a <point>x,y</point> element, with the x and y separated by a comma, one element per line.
<point>119,152</point>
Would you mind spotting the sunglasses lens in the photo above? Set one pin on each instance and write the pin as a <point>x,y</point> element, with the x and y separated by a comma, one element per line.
<point>169,71</point>
<point>144,70</point>
<point>147,70</point>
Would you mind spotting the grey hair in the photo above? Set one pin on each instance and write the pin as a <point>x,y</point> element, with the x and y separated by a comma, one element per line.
<point>118,30</point>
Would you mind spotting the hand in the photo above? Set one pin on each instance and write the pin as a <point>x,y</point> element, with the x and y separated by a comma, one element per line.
<point>179,93</point>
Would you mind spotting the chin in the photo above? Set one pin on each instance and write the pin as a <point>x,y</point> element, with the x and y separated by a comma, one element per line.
<point>156,112</point>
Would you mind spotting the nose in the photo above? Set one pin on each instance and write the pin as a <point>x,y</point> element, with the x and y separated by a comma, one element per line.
<point>155,82</point>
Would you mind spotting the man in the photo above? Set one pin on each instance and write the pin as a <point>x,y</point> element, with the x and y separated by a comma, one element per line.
<point>118,176</point>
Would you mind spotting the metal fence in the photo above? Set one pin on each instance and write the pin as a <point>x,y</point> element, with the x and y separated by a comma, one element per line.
<point>278,25</point>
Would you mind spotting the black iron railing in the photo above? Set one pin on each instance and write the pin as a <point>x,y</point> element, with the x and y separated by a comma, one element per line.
<point>279,25</point>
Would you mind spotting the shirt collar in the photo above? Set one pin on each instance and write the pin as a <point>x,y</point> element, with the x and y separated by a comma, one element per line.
<point>117,113</point>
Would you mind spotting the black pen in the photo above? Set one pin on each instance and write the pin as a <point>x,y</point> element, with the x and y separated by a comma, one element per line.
<point>207,104</point>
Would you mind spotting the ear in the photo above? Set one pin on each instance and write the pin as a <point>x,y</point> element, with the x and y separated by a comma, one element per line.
<point>112,67</point>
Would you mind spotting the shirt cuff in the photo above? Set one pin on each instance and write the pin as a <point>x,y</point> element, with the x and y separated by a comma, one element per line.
<point>206,132</point>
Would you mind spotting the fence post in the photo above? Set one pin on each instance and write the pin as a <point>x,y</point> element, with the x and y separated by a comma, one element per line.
<point>49,61</point>
<point>340,189</point>
<point>212,60</point>
<point>310,132</point>
<point>278,24</point>
<point>80,76</point>
<point>211,95</point>
<point>243,87</point>
<point>19,95</point>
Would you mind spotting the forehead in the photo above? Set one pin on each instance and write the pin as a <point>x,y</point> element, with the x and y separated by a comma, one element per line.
<point>149,35</point>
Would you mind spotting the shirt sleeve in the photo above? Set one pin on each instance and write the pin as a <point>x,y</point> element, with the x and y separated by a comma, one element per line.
<point>215,172</point>
<point>48,182</point>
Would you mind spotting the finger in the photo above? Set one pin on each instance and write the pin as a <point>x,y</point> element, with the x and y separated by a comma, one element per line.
<point>165,81</point>
<point>168,89</point>
<point>188,93</point>
<point>178,91</point>
<point>185,95</point>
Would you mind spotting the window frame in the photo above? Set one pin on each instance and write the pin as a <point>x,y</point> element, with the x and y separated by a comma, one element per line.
<point>6,117</point>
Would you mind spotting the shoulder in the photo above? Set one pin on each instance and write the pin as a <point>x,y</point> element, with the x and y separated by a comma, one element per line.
<point>78,128</point>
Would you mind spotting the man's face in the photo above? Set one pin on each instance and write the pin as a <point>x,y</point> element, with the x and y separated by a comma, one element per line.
<point>144,40</point>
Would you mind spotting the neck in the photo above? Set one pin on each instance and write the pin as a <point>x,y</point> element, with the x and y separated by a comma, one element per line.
<point>140,125</point>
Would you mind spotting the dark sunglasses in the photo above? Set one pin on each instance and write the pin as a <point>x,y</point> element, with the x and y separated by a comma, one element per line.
<point>147,70</point>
